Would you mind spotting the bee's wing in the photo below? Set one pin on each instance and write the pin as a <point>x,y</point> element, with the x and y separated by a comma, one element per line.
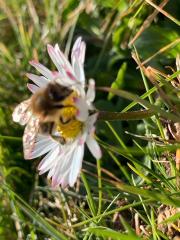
<point>23,115</point>
<point>22,112</point>
<point>29,137</point>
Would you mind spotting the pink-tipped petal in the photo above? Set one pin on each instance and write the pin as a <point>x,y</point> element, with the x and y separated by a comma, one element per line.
<point>81,141</point>
<point>78,51</point>
<point>82,138</point>
<point>64,61</point>
<point>40,81</point>
<point>42,69</point>
<point>56,59</point>
<point>77,44</point>
<point>32,87</point>
<point>70,75</point>
<point>54,183</point>
<point>64,181</point>
<point>75,50</point>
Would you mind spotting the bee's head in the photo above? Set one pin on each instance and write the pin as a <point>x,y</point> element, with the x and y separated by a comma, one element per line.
<point>47,101</point>
<point>56,92</point>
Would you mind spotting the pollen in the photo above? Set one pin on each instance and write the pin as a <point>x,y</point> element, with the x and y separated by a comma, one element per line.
<point>69,127</point>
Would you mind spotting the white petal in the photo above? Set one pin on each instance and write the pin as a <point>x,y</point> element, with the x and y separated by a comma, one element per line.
<point>79,71</point>
<point>178,65</point>
<point>82,138</point>
<point>63,165</point>
<point>82,106</point>
<point>178,62</point>
<point>52,170</point>
<point>42,69</point>
<point>90,96</point>
<point>56,167</point>
<point>77,59</point>
<point>49,160</point>
<point>65,81</point>
<point>41,137</point>
<point>82,52</point>
<point>64,180</point>
<point>61,180</point>
<point>40,149</point>
<point>91,121</point>
<point>32,87</point>
<point>45,141</point>
<point>76,164</point>
<point>76,47</point>
<point>94,147</point>
<point>38,80</point>
<point>66,159</point>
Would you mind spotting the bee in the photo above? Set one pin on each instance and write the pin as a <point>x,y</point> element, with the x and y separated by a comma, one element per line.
<point>48,105</point>
<point>48,108</point>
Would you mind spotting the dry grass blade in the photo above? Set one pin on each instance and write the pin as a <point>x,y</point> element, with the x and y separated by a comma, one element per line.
<point>151,74</point>
<point>110,174</point>
<point>8,12</point>
<point>72,19</point>
<point>178,167</point>
<point>163,49</point>
<point>5,52</point>
<point>163,12</point>
<point>33,12</point>
<point>148,22</point>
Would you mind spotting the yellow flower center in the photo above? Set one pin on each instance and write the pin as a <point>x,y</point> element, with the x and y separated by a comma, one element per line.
<point>69,127</point>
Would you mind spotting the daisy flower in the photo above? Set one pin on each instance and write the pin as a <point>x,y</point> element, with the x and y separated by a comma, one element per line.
<point>62,161</point>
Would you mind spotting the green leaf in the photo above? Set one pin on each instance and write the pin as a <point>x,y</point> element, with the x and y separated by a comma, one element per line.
<point>155,38</point>
<point>121,5</point>
<point>133,97</point>
<point>162,197</point>
<point>89,195</point>
<point>107,232</point>
<point>127,116</point>
<point>140,174</point>
<point>118,83</point>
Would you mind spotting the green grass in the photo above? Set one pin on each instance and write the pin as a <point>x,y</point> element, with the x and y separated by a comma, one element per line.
<point>121,196</point>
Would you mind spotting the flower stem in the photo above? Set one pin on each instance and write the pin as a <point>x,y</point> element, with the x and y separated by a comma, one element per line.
<point>134,115</point>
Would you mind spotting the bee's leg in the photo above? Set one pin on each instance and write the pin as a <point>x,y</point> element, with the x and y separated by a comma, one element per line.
<point>46,127</point>
<point>57,106</point>
<point>65,121</point>
<point>91,112</point>
<point>59,139</point>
